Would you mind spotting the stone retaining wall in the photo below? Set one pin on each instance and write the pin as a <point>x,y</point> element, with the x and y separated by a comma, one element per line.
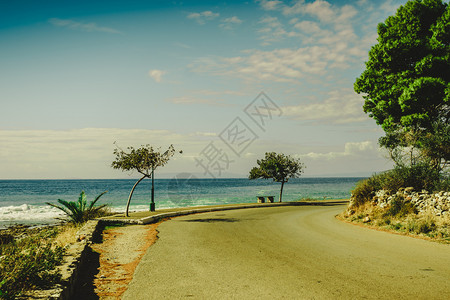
<point>436,203</point>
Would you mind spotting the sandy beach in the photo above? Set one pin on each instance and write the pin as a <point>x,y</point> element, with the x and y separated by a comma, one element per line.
<point>287,252</point>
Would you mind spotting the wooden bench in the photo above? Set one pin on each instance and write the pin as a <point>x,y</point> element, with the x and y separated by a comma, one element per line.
<point>262,199</point>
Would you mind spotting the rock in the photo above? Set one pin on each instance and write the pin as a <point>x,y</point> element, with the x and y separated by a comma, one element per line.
<point>436,203</point>
<point>350,212</point>
<point>408,190</point>
<point>366,219</point>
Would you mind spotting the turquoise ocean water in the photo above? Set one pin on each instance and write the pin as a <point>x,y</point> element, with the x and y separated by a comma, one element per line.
<point>23,201</point>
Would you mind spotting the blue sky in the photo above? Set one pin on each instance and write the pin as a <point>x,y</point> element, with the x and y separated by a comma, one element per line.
<point>77,76</point>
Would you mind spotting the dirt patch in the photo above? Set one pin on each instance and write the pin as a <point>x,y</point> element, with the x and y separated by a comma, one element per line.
<point>112,262</point>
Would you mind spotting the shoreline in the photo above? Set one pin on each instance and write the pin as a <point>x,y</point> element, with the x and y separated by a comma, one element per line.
<point>53,220</point>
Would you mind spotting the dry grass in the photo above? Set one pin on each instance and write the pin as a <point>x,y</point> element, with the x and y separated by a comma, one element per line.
<point>29,262</point>
<point>67,234</point>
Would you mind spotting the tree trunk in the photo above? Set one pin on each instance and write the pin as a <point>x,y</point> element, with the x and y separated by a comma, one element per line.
<point>152,203</point>
<point>281,190</point>
<point>131,193</point>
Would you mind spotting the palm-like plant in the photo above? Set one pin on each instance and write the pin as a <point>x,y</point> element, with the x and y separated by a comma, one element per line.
<point>79,211</point>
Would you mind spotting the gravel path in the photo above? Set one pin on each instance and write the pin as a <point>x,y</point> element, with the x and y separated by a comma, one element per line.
<point>287,252</point>
<point>112,263</point>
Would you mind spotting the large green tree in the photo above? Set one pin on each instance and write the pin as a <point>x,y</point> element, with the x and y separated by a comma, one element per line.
<point>278,167</point>
<point>406,82</point>
<point>144,160</point>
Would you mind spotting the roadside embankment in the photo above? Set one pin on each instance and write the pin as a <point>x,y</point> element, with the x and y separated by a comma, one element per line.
<point>419,214</point>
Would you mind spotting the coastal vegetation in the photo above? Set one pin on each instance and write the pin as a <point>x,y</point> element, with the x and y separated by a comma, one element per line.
<point>278,167</point>
<point>144,160</point>
<point>29,258</point>
<point>406,87</point>
<point>409,200</point>
<point>79,211</point>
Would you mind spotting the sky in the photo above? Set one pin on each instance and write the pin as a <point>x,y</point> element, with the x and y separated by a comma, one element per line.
<point>224,81</point>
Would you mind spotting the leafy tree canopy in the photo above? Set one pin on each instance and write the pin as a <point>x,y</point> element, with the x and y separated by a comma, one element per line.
<point>278,167</point>
<point>406,82</point>
<point>144,160</point>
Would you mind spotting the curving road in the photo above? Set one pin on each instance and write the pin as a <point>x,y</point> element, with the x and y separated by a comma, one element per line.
<point>287,252</point>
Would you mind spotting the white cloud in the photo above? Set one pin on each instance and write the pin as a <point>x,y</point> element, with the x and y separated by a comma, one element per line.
<point>270,4</point>
<point>230,23</point>
<point>327,41</point>
<point>296,8</point>
<point>309,27</point>
<point>88,152</point>
<point>280,65</point>
<point>362,2</point>
<point>272,30</point>
<point>365,148</point>
<point>234,20</point>
<point>339,107</point>
<point>75,25</point>
<point>320,9</point>
<point>347,12</point>
<point>156,74</point>
<point>204,16</point>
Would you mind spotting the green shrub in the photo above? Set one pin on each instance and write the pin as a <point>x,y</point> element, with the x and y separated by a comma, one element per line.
<point>443,184</point>
<point>29,263</point>
<point>400,208</point>
<point>365,189</point>
<point>420,176</point>
<point>396,226</point>
<point>424,226</point>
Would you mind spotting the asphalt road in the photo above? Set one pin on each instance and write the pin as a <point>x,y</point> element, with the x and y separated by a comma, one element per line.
<point>287,253</point>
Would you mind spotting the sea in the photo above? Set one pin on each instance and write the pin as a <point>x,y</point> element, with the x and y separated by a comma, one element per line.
<point>24,201</point>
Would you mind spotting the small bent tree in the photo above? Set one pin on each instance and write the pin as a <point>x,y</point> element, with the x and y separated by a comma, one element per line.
<point>144,160</point>
<point>279,167</point>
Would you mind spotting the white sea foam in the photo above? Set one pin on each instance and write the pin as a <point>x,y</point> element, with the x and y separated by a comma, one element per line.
<point>43,214</point>
<point>28,213</point>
